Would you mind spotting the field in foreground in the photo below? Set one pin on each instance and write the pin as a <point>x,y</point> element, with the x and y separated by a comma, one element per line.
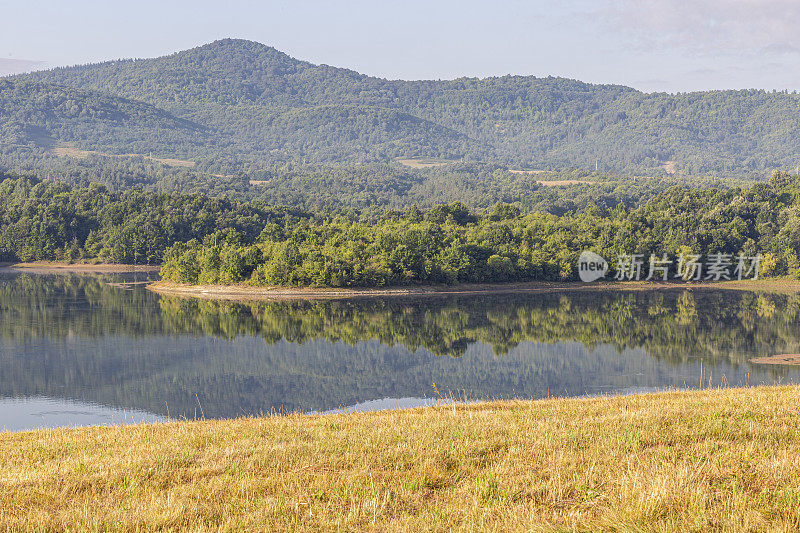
<point>715,459</point>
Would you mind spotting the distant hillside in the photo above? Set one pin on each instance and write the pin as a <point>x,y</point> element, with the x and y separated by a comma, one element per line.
<point>34,112</point>
<point>237,106</point>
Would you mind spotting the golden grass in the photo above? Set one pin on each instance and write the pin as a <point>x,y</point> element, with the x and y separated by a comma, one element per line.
<point>710,460</point>
<point>68,149</point>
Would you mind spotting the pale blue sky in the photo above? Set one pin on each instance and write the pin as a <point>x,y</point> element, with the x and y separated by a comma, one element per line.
<point>664,45</point>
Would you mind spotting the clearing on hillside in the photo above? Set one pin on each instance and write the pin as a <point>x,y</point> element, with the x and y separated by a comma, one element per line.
<point>555,183</point>
<point>528,171</point>
<point>68,149</point>
<point>423,162</point>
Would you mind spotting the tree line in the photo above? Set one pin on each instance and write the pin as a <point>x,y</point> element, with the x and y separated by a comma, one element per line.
<point>200,239</point>
<point>453,244</point>
<point>52,221</point>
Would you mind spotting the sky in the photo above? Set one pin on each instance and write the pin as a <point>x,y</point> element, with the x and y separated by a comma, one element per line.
<point>652,45</point>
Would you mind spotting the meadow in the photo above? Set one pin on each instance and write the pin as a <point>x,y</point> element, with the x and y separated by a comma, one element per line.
<point>677,461</point>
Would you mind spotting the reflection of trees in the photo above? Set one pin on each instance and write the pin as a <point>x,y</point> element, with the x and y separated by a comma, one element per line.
<point>61,306</point>
<point>77,337</point>
<point>686,309</point>
<point>671,325</point>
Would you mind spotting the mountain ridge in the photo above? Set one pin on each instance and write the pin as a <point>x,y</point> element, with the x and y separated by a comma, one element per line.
<point>248,96</point>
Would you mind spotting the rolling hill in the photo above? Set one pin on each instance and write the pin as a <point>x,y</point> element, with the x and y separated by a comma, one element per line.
<point>236,107</point>
<point>38,113</point>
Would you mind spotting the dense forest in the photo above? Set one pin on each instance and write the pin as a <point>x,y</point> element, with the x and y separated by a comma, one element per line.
<point>234,109</point>
<point>476,185</point>
<point>452,244</point>
<point>201,239</point>
<point>50,220</point>
<point>53,221</point>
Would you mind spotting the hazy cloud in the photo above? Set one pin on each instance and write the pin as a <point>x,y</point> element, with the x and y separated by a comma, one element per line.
<point>18,66</point>
<point>703,72</point>
<point>709,26</point>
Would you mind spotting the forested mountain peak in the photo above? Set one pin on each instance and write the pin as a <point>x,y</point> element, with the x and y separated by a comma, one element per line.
<point>224,72</point>
<point>264,110</point>
<point>237,71</point>
<point>239,58</point>
<point>233,46</point>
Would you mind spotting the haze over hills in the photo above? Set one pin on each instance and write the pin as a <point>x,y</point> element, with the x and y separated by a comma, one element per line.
<point>240,108</point>
<point>18,66</point>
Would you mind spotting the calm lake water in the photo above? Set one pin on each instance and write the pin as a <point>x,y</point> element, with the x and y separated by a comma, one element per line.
<point>78,350</point>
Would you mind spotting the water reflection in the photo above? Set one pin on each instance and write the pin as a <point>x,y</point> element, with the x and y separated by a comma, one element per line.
<point>81,339</point>
<point>29,413</point>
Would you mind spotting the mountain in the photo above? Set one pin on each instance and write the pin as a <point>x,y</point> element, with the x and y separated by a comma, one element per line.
<point>239,107</point>
<point>34,112</point>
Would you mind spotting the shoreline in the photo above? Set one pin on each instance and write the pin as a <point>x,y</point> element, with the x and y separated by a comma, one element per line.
<point>51,267</point>
<point>242,292</point>
<point>660,461</point>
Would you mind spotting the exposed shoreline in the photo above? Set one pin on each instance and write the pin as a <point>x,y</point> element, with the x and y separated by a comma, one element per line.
<point>244,292</point>
<point>48,267</point>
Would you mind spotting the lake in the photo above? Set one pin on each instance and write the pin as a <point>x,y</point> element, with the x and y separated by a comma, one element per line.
<point>101,349</point>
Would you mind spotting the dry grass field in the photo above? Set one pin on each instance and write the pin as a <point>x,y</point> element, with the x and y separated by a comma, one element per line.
<point>556,183</point>
<point>68,149</point>
<point>721,460</point>
<point>423,162</point>
<point>529,171</point>
<point>551,183</point>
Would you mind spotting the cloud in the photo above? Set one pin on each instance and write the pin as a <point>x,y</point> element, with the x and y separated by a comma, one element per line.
<point>18,66</point>
<point>709,26</point>
<point>703,72</point>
